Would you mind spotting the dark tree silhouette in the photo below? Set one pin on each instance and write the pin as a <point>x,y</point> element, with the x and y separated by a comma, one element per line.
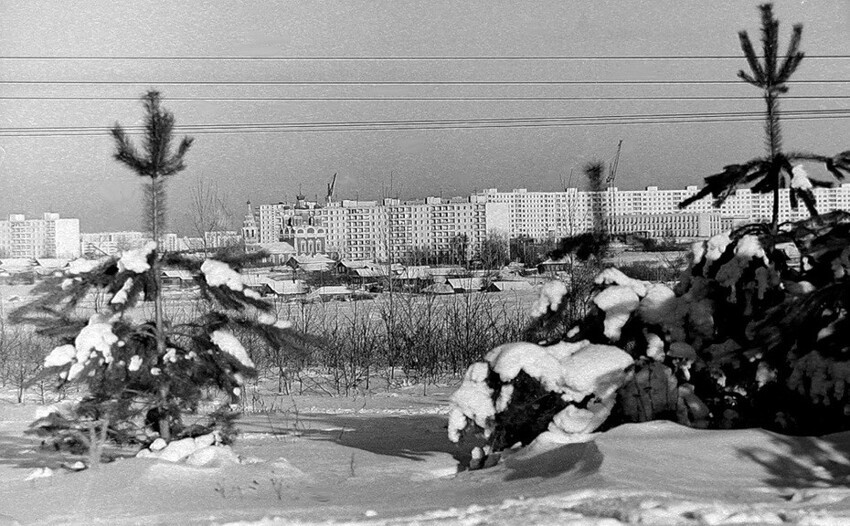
<point>155,163</point>
<point>776,169</point>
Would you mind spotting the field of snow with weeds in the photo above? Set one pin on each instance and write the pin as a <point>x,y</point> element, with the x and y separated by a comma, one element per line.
<point>384,458</point>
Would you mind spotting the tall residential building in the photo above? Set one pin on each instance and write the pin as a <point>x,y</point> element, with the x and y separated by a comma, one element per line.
<point>393,230</point>
<point>390,229</point>
<point>98,244</point>
<point>48,237</point>
<point>557,214</point>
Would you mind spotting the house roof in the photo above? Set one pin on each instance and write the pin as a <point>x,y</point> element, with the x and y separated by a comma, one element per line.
<point>466,283</point>
<point>305,259</point>
<point>332,290</point>
<point>351,264</point>
<point>278,247</point>
<point>511,285</point>
<point>52,263</point>
<point>370,272</point>
<point>439,288</point>
<point>286,287</point>
<point>418,272</point>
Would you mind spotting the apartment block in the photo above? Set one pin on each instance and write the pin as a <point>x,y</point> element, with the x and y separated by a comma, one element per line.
<point>389,229</point>
<point>98,244</point>
<point>557,214</point>
<point>395,230</point>
<point>48,237</point>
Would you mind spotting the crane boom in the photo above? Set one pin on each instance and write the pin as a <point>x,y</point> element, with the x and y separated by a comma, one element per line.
<point>331,186</point>
<point>612,173</point>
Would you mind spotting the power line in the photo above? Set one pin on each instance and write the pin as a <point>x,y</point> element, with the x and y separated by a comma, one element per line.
<point>319,58</point>
<point>397,82</point>
<point>447,127</point>
<point>429,99</point>
<point>210,128</point>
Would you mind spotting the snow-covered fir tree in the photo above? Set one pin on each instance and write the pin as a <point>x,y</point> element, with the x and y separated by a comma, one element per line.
<point>142,376</point>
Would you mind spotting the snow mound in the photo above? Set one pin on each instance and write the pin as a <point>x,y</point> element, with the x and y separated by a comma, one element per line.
<point>509,359</point>
<point>578,371</point>
<point>201,451</point>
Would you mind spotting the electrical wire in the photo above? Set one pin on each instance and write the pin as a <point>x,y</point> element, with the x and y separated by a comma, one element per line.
<point>396,82</point>
<point>427,99</point>
<point>211,128</point>
<point>323,58</point>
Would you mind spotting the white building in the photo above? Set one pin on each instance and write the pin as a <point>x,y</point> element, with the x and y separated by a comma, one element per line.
<point>49,237</point>
<point>557,214</point>
<point>96,244</point>
<point>391,229</point>
<point>394,229</point>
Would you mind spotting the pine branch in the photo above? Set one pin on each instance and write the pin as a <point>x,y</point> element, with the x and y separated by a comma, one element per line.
<point>722,184</point>
<point>770,42</point>
<point>758,79</point>
<point>126,153</point>
<point>793,56</point>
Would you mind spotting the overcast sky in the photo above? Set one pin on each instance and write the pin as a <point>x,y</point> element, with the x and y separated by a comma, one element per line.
<point>76,176</point>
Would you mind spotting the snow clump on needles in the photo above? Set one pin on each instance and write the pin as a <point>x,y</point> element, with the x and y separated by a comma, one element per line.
<point>584,375</point>
<point>136,260</point>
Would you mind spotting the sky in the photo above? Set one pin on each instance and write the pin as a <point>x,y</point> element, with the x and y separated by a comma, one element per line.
<point>447,147</point>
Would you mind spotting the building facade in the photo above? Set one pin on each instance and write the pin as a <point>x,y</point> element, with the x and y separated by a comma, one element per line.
<point>48,237</point>
<point>455,229</point>
<point>541,215</point>
<point>387,230</point>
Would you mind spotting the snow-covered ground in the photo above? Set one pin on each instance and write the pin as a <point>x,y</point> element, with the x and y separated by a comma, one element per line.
<point>386,459</point>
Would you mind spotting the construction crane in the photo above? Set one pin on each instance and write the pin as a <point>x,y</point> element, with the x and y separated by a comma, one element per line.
<point>331,186</point>
<point>612,172</point>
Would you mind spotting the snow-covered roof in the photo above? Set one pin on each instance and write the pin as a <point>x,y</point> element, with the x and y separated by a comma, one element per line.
<point>305,259</point>
<point>16,265</point>
<point>649,258</point>
<point>332,290</point>
<point>370,272</point>
<point>351,264</point>
<point>420,272</point>
<point>286,287</point>
<point>511,285</point>
<point>439,288</point>
<point>278,247</point>
<point>52,263</point>
<point>445,271</point>
<point>466,283</point>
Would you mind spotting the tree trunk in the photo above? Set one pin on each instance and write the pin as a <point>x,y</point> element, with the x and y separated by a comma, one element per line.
<point>774,143</point>
<point>159,329</point>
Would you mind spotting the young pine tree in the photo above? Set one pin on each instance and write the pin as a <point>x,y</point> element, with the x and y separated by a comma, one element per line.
<point>776,170</point>
<point>141,376</point>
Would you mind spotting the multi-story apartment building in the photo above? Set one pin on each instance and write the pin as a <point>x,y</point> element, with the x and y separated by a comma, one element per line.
<point>48,237</point>
<point>96,244</point>
<point>557,214</point>
<point>389,230</point>
<point>393,229</point>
